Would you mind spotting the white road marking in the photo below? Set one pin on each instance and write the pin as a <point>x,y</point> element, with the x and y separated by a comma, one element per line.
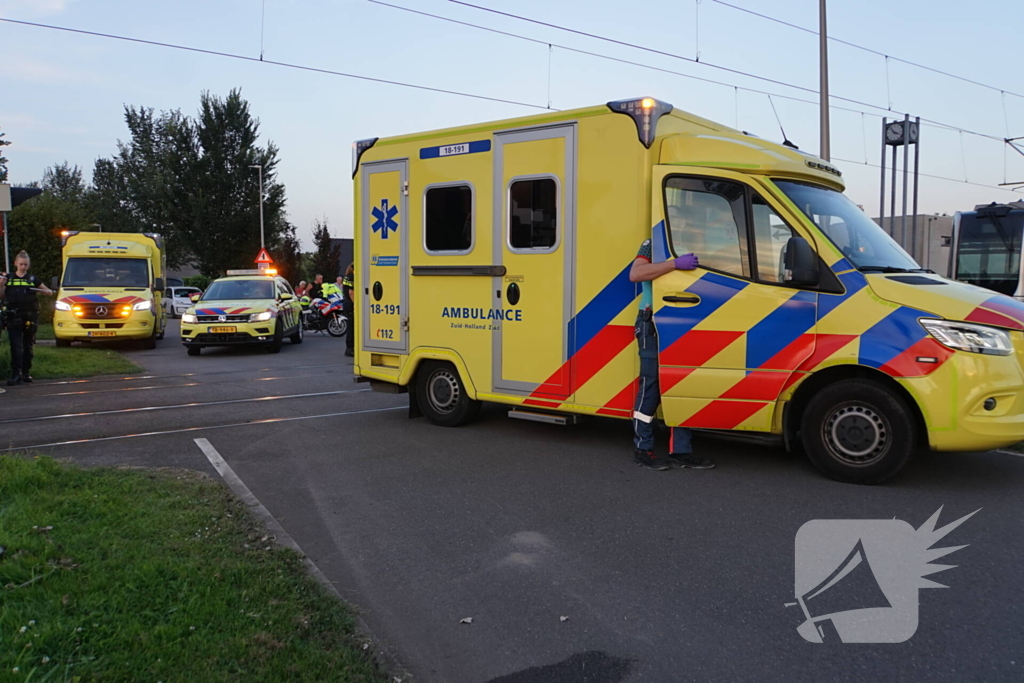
<point>182,405</point>
<point>1014,453</point>
<point>253,503</point>
<point>198,429</point>
<point>127,378</point>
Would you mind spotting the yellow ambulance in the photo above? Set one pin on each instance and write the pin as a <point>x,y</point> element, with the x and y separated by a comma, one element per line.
<point>111,288</point>
<point>493,265</point>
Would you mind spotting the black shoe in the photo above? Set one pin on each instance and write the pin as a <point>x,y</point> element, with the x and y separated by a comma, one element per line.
<point>15,379</point>
<point>650,460</point>
<point>26,378</point>
<point>350,353</point>
<point>690,462</point>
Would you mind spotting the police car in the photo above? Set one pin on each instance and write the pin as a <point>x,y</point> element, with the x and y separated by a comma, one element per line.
<point>246,307</point>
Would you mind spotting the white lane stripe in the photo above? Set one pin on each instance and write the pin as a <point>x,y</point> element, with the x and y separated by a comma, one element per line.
<point>83,392</point>
<point>253,503</point>
<point>198,429</point>
<point>184,374</point>
<point>181,405</point>
<point>1013,453</point>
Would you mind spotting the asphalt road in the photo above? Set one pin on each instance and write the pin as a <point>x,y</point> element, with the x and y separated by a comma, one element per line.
<point>673,576</point>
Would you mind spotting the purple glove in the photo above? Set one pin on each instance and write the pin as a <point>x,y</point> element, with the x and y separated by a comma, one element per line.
<point>687,262</point>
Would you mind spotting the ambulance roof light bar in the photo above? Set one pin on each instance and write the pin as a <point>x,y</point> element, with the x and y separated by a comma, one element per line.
<point>252,271</point>
<point>645,112</point>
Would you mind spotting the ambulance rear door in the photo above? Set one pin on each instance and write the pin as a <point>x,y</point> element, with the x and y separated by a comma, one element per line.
<point>534,236</point>
<point>385,255</point>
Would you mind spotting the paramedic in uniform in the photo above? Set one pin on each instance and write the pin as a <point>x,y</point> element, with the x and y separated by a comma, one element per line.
<point>648,394</point>
<point>21,316</point>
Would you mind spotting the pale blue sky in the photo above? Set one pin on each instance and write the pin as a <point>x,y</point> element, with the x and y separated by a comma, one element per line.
<point>61,95</point>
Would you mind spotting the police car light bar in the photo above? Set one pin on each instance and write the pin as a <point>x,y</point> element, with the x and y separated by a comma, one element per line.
<point>250,271</point>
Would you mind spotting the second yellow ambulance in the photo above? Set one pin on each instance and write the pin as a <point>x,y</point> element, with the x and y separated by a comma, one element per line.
<point>493,265</point>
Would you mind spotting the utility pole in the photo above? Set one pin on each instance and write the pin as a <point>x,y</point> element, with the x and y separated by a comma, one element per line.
<point>826,152</point>
<point>260,167</point>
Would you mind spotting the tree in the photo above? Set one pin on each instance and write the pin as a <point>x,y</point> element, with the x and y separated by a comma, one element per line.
<point>288,256</point>
<point>35,226</point>
<point>192,179</point>
<point>325,256</point>
<point>65,182</point>
<point>3,159</point>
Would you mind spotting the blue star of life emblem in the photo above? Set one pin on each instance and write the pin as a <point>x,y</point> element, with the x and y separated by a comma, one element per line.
<point>385,216</point>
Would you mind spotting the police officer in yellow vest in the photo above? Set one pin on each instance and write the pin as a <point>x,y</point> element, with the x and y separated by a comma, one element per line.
<point>21,315</point>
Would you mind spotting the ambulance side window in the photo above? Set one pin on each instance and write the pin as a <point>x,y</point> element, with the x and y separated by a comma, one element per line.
<point>533,214</point>
<point>771,234</point>
<point>448,219</point>
<point>708,217</point>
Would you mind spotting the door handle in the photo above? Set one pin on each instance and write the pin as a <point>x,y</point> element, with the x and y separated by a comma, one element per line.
<point>678,299</point>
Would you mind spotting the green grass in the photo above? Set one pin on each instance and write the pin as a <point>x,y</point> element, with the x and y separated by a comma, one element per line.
<point>44,331</point>
<point>155,575</point>
<point>50,362</point>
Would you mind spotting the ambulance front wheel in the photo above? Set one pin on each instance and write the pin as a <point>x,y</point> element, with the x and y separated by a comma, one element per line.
<point>858,431</point>
<point>442,395</point>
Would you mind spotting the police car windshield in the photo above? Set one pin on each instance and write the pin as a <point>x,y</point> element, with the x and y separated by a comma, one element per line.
<point>106,272</point>
<point>239,289</point>
<point>864,244</point>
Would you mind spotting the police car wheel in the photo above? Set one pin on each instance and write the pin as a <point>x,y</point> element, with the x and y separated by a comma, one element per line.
<point>442,395</point>
<point>858,431</point>
<point>275,346</point>
<point>194,350</point>
<point>297,336</point>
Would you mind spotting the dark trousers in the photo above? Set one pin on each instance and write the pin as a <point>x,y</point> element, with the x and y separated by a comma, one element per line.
<point>350,334</point>
<point>648,395</point>
<point>21,330</point>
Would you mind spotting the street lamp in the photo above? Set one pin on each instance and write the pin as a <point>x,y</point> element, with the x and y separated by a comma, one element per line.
<point>260,168</point>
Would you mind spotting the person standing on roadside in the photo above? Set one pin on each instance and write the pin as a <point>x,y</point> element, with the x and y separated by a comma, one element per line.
<point>21,316</point>
<point>349,304</point>
<point>648,395</point>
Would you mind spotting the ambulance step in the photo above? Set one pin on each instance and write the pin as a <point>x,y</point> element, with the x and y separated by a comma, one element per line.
<point>549,418</point>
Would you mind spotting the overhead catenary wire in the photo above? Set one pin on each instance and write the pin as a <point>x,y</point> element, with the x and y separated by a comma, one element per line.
<point>691,60</point>
<point>868,49</point>
<point>930,175</point>
<point>651,67</point>
<point>287,65</point>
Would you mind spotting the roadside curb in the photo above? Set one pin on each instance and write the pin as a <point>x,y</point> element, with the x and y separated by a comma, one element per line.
<point>385,660</point>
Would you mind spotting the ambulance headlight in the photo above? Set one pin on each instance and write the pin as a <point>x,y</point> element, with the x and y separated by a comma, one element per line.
<point>62,306</point>
<point>143,306</point>
<point>260,317</point>
<point>968,337</point>
<point>189,318</point>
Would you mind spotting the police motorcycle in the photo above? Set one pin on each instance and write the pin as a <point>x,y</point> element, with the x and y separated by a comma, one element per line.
<point>324,314</point>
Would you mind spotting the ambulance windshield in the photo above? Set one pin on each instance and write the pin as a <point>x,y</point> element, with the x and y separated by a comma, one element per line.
<point>861,240</point>
<point>106,272</point>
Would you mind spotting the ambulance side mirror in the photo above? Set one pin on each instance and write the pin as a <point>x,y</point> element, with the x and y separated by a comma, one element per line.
<point>158,284</point>
<point>54,283</point>
<point>801,263</point>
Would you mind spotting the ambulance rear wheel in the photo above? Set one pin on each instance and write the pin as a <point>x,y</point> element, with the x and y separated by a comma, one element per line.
<point>442,395</point>
<point>858,431</point>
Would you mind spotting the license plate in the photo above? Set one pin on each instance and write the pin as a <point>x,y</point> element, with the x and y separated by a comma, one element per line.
<point>102,333</point>
<point>223,330</point>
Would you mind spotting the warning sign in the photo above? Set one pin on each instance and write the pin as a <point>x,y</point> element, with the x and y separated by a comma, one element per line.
<point>263,257</point>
